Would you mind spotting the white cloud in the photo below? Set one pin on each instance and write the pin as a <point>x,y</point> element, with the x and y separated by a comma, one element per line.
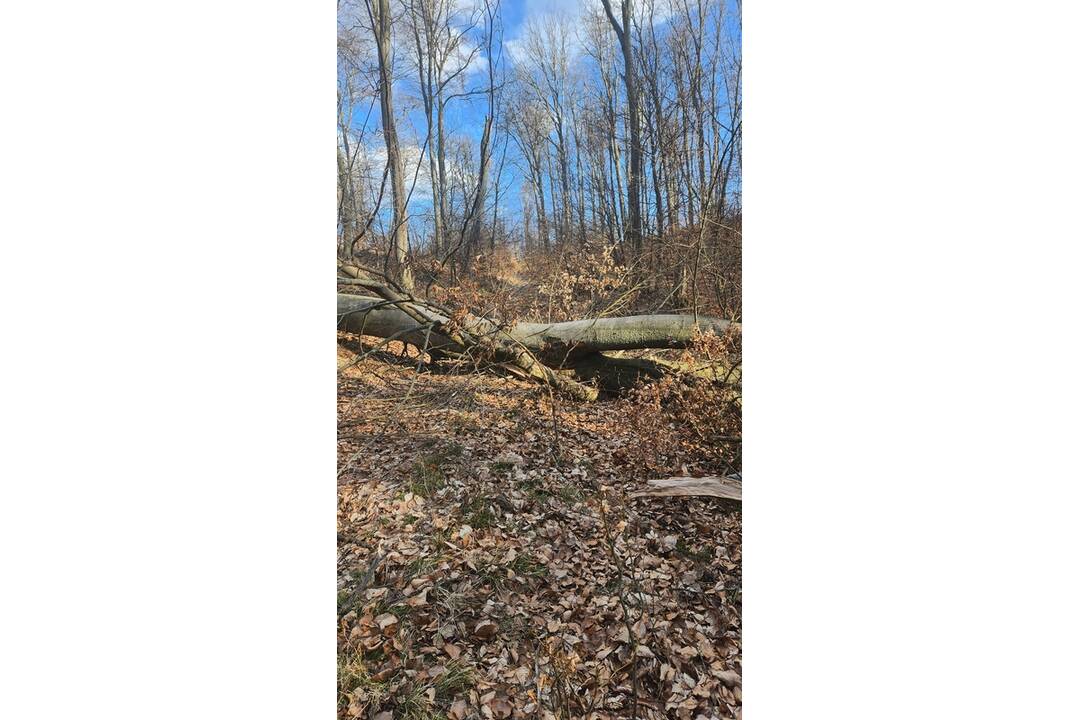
<point>466,52</point>
<point>515,48</point>
<point>371,162</point>
<point>540,11</point>
<point>534,8</point>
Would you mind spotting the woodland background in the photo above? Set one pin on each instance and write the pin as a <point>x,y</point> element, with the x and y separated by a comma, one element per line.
<point>539,270</point>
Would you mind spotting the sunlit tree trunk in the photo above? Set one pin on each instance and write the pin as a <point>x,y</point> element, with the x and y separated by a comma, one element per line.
<point>633,191</point>
<point>400,230</point>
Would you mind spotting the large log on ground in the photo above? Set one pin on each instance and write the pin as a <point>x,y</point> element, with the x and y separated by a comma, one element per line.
<point>636,332</point>
<point>380,318</point>
<point>375,316</point>
<point>564,355</point>
<point>428,328</point>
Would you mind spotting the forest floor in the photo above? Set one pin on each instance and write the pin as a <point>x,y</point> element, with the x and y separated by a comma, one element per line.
<point>491,563</point>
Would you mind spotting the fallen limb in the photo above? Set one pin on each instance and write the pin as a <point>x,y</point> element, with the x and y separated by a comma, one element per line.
<point>710,486</point>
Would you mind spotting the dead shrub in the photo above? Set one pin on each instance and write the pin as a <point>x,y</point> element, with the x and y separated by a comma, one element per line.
<point>690,422</point>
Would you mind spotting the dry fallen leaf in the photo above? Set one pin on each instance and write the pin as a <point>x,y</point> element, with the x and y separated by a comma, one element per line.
<point>418,600</point>
<point>388,623</point>
<point>458,711</point>
<point>728,677</point>
<point>485,629</point>
<point>500,708</point>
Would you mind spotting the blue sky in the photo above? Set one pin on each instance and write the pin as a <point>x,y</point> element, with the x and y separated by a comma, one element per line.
<point>465,116</point>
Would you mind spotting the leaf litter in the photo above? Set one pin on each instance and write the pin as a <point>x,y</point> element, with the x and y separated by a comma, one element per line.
<point>493,564</point>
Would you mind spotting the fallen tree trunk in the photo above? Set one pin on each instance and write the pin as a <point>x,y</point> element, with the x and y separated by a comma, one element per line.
<point>381,318</point>
<point>636,332</point>
<point>375,316</point>
<point>433,331</point>
<point>560,354</point>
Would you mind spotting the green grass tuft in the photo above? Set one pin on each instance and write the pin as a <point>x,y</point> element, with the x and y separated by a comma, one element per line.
<point>477,513</point>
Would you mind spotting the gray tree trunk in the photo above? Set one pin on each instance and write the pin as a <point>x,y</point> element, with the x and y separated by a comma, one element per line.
<point>400,230</point>
<point>566,355</point>
<point>368,315</point>
<point>633,191</point>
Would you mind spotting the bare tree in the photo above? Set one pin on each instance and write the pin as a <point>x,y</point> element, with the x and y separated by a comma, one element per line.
<point>633,192</point>
<point>379,14</point>
<point>474,219</point>
<point>526,123</point>
<point>599,47</point>
<point>354,102</point>
<point>439,33</point>
<point>546,75</point>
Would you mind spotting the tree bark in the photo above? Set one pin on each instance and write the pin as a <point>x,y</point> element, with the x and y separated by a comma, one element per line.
<point>400,230</point>
<point>634,181</point>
